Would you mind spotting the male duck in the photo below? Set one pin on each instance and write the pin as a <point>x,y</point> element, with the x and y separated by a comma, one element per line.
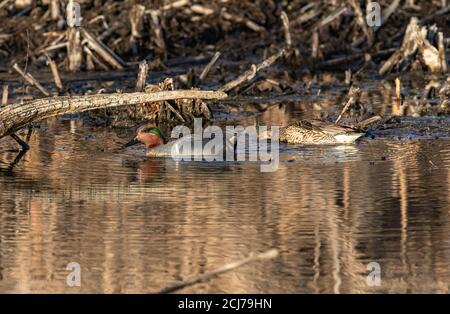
<point>156,145</point>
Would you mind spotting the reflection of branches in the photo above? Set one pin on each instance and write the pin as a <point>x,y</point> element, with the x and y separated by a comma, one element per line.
<point>9,169</point>
<point>22,153</point>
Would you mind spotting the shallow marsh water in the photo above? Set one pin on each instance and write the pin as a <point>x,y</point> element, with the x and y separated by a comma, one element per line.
<point>137,225</point>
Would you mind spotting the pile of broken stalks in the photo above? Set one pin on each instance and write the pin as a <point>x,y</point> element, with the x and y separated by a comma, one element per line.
<point>208,51</point>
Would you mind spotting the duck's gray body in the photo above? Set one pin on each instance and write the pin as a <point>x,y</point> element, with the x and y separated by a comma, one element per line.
<point>179,148</point>
<point>317,132</point>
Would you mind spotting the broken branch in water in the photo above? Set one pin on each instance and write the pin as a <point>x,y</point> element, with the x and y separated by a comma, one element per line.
<point>14,117</point>
<point>353,97</point>
<point>270,254</point>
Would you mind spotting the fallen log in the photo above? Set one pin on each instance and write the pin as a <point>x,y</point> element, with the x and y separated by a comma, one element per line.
<point>15,117</point>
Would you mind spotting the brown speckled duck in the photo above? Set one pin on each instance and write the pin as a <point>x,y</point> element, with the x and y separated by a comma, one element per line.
<point>311,132</point>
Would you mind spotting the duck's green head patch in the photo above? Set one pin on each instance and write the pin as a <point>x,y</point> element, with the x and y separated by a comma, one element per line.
<point>154,131</point>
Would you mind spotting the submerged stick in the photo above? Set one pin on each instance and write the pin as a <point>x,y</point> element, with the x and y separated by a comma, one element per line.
<point>270,254</point>
<point>30,79</point>
<point>250,74</point>
<point>14,117</point>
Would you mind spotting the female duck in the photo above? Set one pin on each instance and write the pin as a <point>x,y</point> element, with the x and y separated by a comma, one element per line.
<point>317,132</point>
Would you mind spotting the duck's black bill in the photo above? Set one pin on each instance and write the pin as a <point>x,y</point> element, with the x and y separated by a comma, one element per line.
<point>134,141</point>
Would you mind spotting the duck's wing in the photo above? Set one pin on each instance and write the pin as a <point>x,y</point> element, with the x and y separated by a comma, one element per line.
<point>185,146</point>
<point>330,128</point>
<point>341,134</point>
<point>194,145</point>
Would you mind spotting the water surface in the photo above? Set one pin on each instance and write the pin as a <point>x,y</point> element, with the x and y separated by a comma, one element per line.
<point>138,225</point>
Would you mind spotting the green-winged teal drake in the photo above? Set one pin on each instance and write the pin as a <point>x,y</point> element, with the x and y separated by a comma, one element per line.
<point>156,145</point>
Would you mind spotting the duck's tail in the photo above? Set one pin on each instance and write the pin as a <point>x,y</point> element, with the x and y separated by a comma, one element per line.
<point>347,138</point>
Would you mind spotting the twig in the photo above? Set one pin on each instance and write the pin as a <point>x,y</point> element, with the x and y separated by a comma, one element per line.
<point>173,5</point>
<point>209,66</point>
<point>55,73</point>
<point>74,50</point>
<point>250,74</point>
<point>366,122</point>
<point>136,16</point>
<point>353,97</point>
<point>91,58</point>
<point>287,33</point>
<point>55,9</point>
<point>360,20</point>
<point>136,20</point>
<point>249,24</point>
<point>199,9</point>
<point>171,108</point>
<point>4,3</point>
<point>306,15</point>
<point>156,26</point>
<point>102,50</point>
<point>334,15</point>
<point>14,117</point>
<point>387,13</point>
<point>30,79</point>
<point>270,254</point>
<point>5,95</point>
<point>142,76</point>
<point>442,54</point>
<point>315,45</point>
